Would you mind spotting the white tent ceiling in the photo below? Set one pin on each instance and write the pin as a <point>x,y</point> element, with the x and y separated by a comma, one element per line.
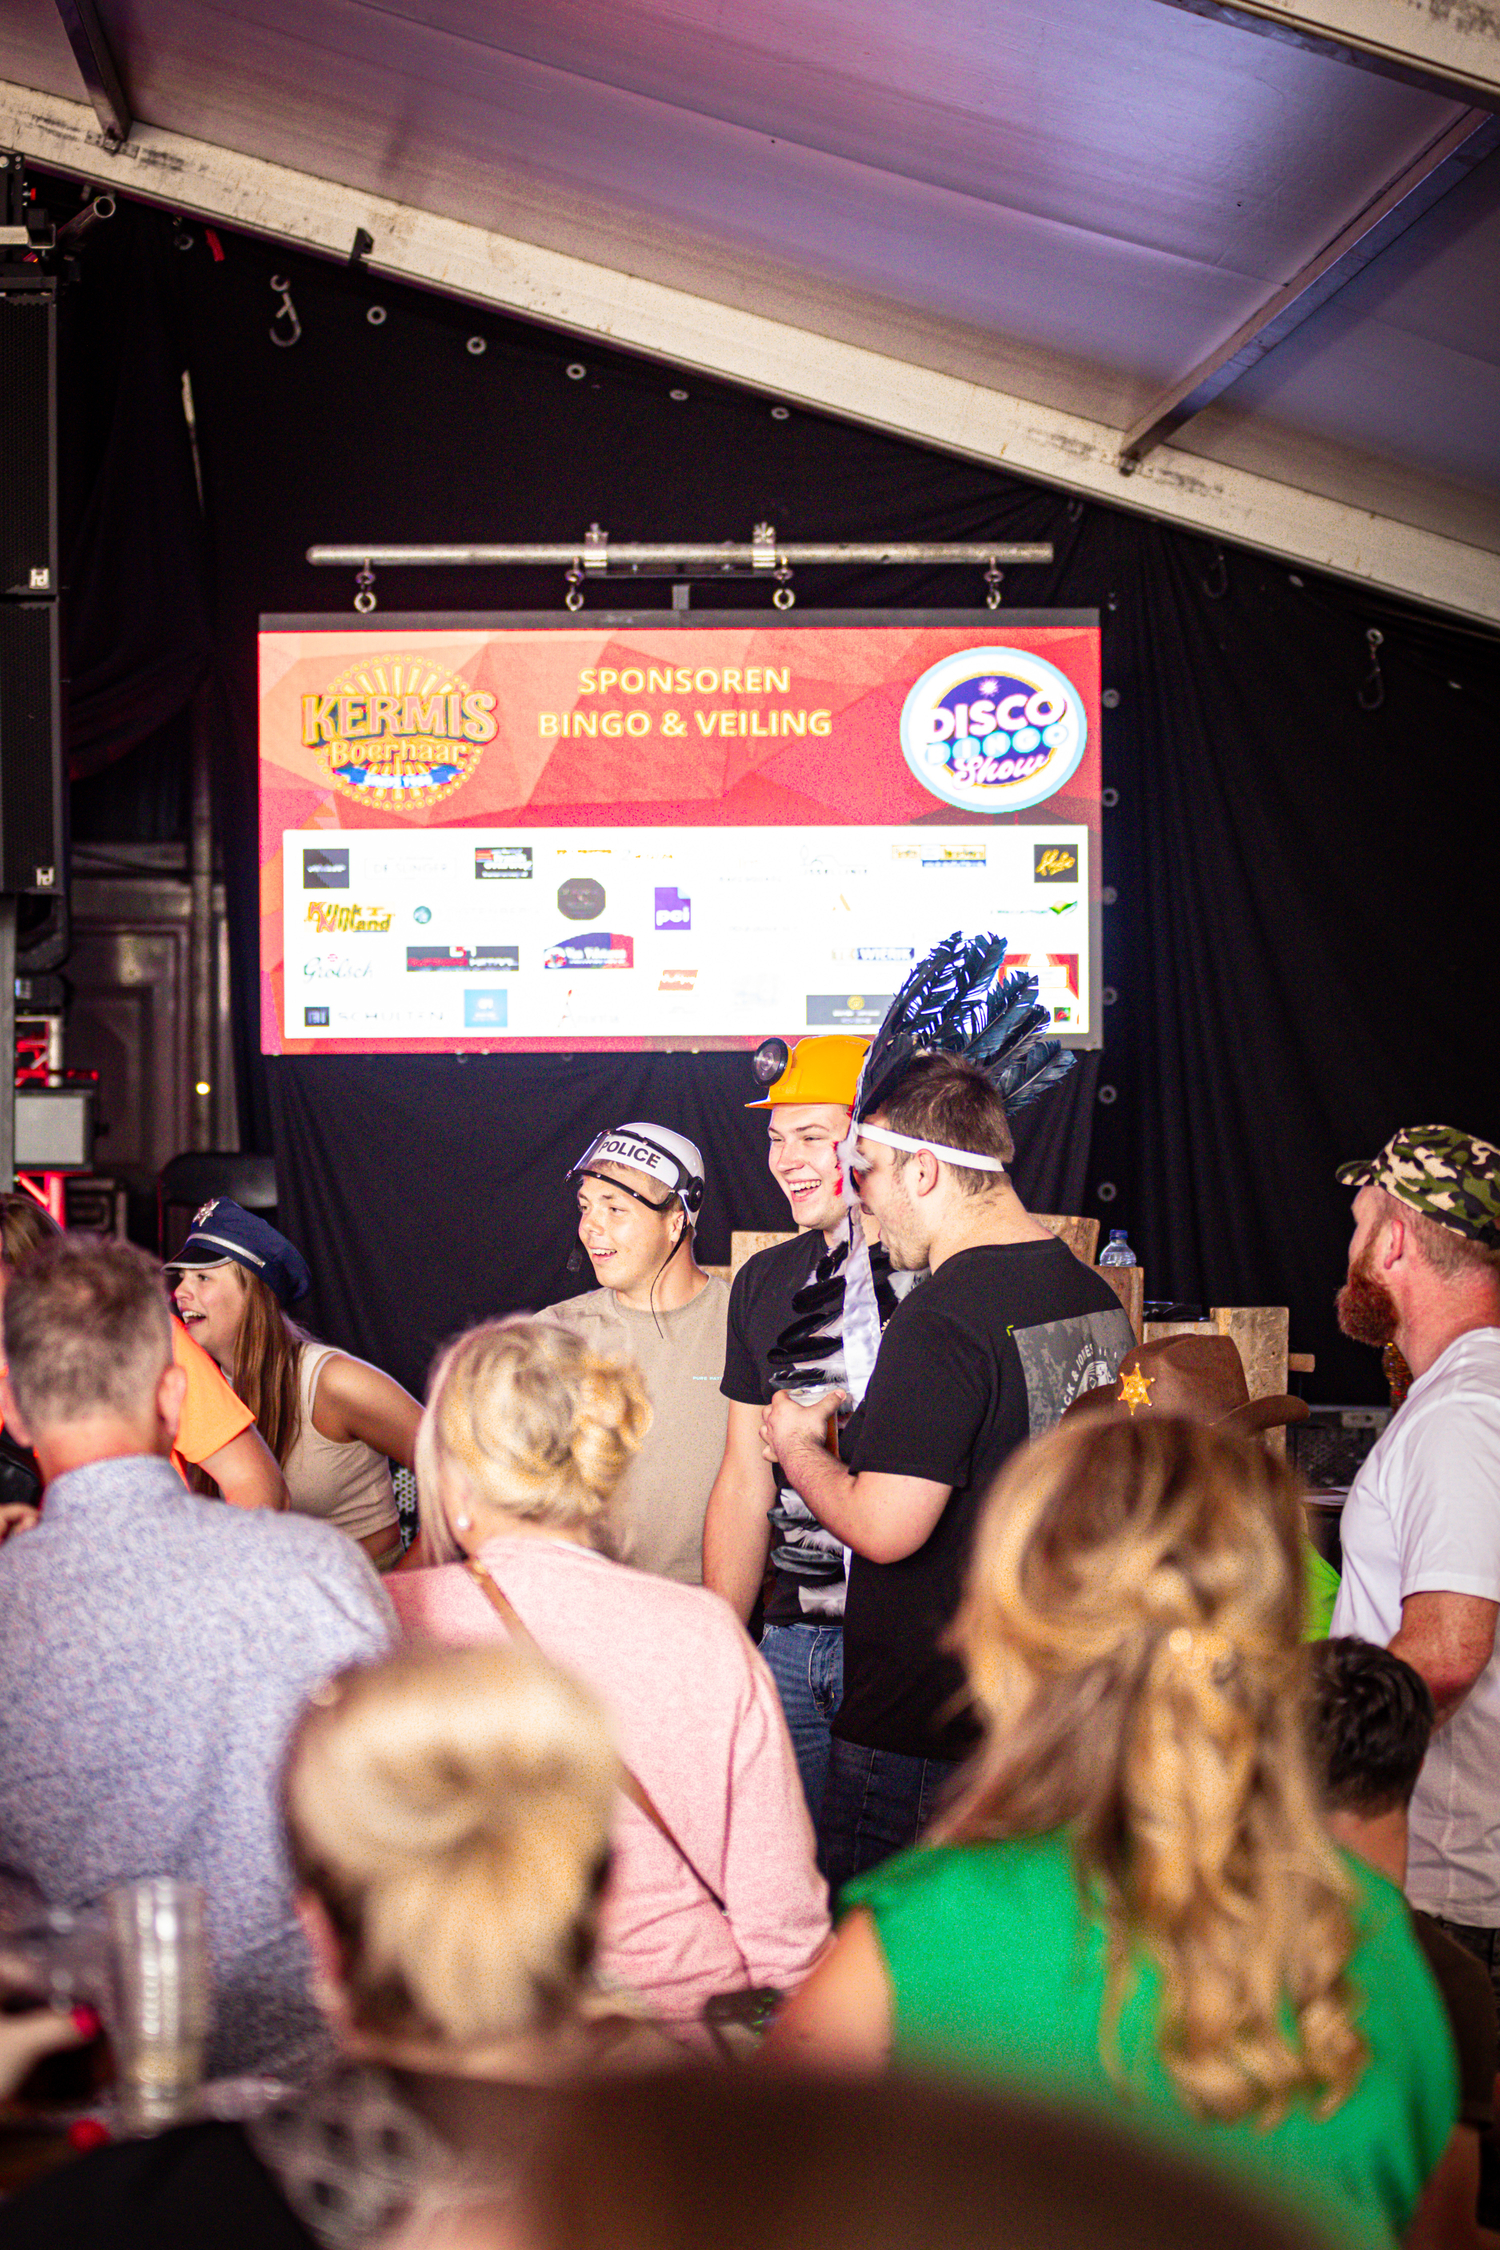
<point>1013,228</point>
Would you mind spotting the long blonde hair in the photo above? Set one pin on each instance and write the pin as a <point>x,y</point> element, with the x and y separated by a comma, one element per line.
<point>267,1351</point>
<point>1131,1628</point>
<point>528,1421</point>
<point>451,1809</point>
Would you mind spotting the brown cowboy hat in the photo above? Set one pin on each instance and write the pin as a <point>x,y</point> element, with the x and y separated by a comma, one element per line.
<point>1201,1378</point>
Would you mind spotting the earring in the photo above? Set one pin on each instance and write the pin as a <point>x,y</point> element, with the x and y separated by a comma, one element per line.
<point>463,1523</point>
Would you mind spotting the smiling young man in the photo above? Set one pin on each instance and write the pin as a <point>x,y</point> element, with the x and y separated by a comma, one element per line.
<point>753,1511</point>
<point>1006,1332</point>
<point>640,1189</point>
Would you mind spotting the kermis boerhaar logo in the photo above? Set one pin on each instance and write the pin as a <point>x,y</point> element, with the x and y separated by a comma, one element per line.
<point>993,729</point>
<point>399,731</point>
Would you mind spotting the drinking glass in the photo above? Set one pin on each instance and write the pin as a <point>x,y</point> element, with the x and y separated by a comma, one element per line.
<point>161,1992</point>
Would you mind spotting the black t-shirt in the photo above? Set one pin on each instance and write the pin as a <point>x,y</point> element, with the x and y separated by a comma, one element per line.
<point>808,1561</point>
<point>986,1354</point>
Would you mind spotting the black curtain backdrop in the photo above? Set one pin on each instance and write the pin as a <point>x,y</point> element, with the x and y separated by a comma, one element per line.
<point>1298,931</point>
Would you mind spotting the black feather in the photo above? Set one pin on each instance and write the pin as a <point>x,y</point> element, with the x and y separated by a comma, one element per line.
<point>958,1002</point>
<point>1030,1074</point>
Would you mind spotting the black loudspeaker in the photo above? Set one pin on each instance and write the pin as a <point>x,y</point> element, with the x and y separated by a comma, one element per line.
<point>32,807</point>
<point>28,436</point>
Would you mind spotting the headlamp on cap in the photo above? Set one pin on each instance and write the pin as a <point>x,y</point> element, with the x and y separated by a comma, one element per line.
<point>669,1158</point>
<point>770,1060</point>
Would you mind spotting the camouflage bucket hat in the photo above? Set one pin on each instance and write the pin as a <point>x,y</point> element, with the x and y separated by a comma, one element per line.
<point>1446,1175</point>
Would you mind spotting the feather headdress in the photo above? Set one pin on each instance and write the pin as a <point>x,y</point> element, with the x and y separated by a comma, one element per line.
<point>961,1001</point>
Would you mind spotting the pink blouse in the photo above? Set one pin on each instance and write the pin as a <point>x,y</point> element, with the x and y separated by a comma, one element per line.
<point>696,1716</point>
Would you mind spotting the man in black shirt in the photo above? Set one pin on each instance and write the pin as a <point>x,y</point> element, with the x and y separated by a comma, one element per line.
<point>1008,1330</point>
<point>752,1510</point>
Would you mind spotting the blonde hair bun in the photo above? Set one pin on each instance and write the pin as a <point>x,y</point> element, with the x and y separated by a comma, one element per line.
<point>452,1809</point>
<point>529,1421</point>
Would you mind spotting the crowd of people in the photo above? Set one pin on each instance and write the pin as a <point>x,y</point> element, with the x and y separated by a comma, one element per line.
<point>878,1671</point>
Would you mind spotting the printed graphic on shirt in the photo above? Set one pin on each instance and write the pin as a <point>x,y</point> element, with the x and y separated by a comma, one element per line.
<point>1061,1359</point>
<point>805,1552</point>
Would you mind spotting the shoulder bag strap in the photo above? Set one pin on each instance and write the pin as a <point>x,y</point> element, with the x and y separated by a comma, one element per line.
<point>635,1789</point>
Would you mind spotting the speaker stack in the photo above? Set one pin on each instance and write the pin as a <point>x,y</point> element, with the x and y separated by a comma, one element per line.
<point>32,811</point>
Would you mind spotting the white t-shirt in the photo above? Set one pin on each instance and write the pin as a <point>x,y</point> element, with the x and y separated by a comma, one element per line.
<point>1423,1517</point>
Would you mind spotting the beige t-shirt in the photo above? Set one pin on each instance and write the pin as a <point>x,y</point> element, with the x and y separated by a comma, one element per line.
<point>662,1498</point>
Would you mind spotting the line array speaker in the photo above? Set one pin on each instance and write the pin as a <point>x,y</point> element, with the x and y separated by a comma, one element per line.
<point>32,811</point>
<point>28,437</point>
<point>33,828</point>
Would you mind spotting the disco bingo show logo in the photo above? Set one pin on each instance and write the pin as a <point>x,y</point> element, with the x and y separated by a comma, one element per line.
<point>399,733</point>
<point>993,729</point>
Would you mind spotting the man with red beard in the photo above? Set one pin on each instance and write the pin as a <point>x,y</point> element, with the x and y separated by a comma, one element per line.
<point>1421,1525</point>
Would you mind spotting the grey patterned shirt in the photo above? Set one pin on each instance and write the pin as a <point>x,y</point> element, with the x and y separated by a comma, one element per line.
<point>156,1648</point>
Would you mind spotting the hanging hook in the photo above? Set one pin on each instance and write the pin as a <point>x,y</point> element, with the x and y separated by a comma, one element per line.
<point>1216,584</point>
<point>285,311</point>
<point>573,598</point>
<point>783,597</point>
<point>1372,694</point>
<point>992,578</point>
<point>364,600</point>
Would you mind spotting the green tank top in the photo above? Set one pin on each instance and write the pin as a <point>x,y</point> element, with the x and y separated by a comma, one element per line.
<point>998,1973</point>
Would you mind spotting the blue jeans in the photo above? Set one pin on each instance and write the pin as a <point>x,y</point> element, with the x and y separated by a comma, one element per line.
<point>877,1803</point>
<point>807,1664</point>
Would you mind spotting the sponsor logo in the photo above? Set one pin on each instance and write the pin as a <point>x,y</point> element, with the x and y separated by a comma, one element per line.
<point>955,855</point>
<point>1056,974</point>
<point>502,863</point>
<point>847,1009</point>
<point>348,921</point>
<point>596,949</point>
<point>677,980</point>
<point>331,965</point>
<point>485,1011</point>
<point>499,960</point>
<point>580,899</point>
<point>900,955</point>
<point>421,915</point>
<point>1054,863</point>
<point>993,729</point>
<point>315,1019</point>
<point>326,869</point>
<point>673,911</point>
<point>400,730</point>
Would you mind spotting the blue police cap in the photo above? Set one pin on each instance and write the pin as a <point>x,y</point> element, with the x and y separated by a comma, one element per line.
<point>222,1231</point>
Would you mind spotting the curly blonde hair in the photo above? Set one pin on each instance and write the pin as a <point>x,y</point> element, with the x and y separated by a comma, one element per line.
<point>1131,1628</point>
<point>450,1809</point>
<point>527,1420</point>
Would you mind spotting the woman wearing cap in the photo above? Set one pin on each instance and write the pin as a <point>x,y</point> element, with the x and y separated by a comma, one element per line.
<point>640,1189</point>
<point>1131,1902</point>
<point>334,1423</point>
<point>216,1433</point>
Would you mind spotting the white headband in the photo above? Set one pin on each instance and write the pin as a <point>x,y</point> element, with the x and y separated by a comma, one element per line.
<point>963,1156</point>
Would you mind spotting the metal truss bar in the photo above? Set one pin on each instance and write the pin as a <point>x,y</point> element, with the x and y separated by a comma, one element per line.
<point>1432,45</point>
<point>96,67</point>
<point>728,555</point>
<point>817,370</point>
<point>1451,158</point>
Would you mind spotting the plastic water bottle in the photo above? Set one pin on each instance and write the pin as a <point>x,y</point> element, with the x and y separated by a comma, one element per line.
<point>1117,1251</point>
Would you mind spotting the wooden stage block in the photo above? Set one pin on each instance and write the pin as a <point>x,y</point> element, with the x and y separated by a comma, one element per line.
<point>743,1244</point>
<point>1080,1235</point>
<point>1129,1285</point>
